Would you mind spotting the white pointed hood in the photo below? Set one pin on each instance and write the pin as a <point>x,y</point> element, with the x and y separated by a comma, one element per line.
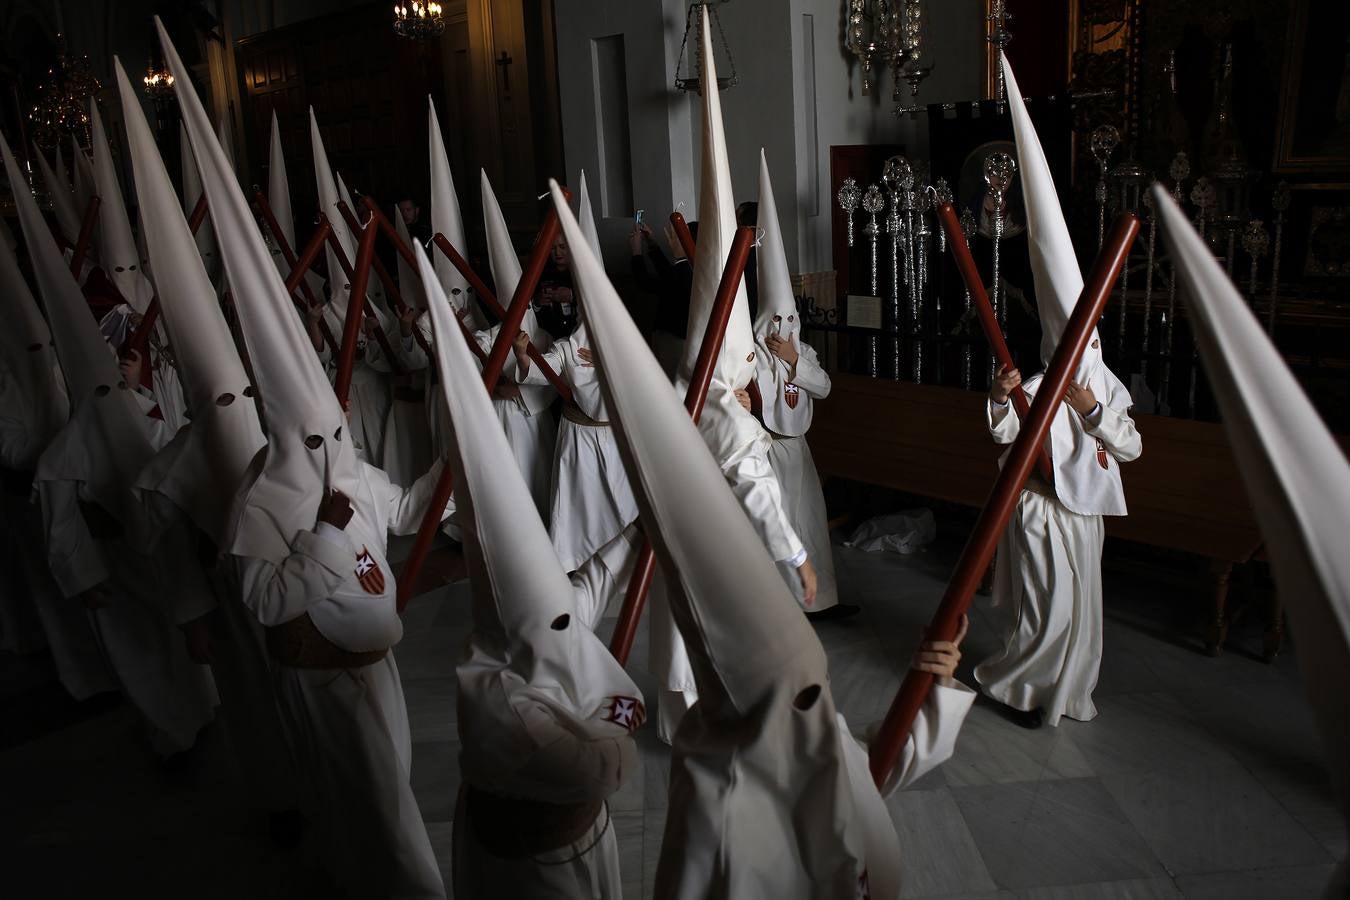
<point>529,646</point>
<point>726,426</point>
<point>207,246</point>
<point>120,258</point>
<point>586,219</point>
<point>107,441</point>
<point>446,220</point>
<point>84,176</point>
<point>63,176</point>
<point>409,283</point>
<point>1295,472</point>
<point>202,475</point>
<point>1081,483</point>
<point>778,314</point>
<point>279,186</point>
<point>764,729</point>
<point>289,477</point>
<point>506,276</point>
<point>225,134</point>
<point>63,204</point>
<point>29,359</point>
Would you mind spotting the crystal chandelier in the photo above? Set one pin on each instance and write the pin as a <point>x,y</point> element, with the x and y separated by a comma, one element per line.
<point>418,19</point>
<point>889,31</point>
<point>158,82</point>
<point>693,25</point>
<point>62,105</point>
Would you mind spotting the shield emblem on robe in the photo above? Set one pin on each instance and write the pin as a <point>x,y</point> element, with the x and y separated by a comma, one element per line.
<point>626,712</point>
<point>368,573</point>
<point>790,392</point>
<point>1101,455</point>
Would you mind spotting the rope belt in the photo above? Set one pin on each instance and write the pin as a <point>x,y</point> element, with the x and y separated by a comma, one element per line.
<point>300,645</point>
<point>572,413</point>
<point>512,828</point>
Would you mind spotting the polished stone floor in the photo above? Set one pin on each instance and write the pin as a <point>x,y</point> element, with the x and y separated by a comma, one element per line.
<point>1200,779</point>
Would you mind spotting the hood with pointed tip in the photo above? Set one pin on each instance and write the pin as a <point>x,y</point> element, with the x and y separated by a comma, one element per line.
<point>63,203</point>
<point>1295,472</point>
<point>84,176</point>
<point>207,247</point>
<point>529,645</point>
<point>586,218</point>
<point>225,433</point>
<point>409,284</point>
<point>279,186</point>
<point>107,440</point>
<point>117,246</point>
<point>743,629</point>
<point>289,478</point>
<point>29,358</point>
<point>446,220</point>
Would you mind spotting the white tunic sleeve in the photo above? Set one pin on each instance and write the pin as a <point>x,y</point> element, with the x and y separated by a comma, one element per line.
<point>553,356</point>
<point>406,506</point>
<point>808,375</point>
<point>1116,430</point>
<point>375,357</point>
<point>411,353</point>
<point>1003,422</point>
<point>313,571</point>
<point>74,556</point>
<point>756,487</point>
<point>932,740</point>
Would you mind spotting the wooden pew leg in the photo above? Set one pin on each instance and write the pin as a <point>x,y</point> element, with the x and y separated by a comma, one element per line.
<point>1217,633</point>
<point>1274,638</point>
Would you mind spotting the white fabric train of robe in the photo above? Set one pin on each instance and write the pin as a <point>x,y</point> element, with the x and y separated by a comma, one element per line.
<point>349,727</point>
<point>790,458</point>
<point>1047,575</point>
<point>592,501</point>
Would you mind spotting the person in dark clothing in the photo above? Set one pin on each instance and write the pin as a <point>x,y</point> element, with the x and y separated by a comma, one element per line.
<point>555,306</point>
<point>670,282</point>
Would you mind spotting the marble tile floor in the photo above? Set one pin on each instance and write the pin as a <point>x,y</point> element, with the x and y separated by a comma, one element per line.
<point>1200,778</point>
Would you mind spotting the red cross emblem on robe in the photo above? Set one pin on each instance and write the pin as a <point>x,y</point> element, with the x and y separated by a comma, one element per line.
<point>626,712</point>
<point>790,394</point>
<point>864,891</point>
<point>368,573</point>
<point>1101,455</point>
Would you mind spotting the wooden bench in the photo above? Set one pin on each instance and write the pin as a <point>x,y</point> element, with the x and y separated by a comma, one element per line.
<point>1184,493</point>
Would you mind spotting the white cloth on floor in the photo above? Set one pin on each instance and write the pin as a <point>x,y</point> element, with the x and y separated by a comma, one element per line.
<point>1047,576</point>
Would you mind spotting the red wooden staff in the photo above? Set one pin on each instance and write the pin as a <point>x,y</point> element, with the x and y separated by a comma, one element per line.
<point>889,742</point>
<point>488,299</point>
<point>492,372</point>
<point>970,274</point>
<point>198,214</point>
<point>390,286</point>
<point>380,337</point>
<point>299,267</point>
<point>625,630</point>
<point>356,301</point>
<point>86,235</point>
<point>685,236</point>
<point>406,252</point>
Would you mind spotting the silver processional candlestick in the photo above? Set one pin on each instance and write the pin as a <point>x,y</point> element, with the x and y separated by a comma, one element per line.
<point>998,174</point>
<point>1180,170</point>
<point>1203,195</point>
<point>872,204</point>
<point>1255,242</point>
<point>1104,140</point>
<point>849,195</point>
<point>1148,281</point>
<point>968,229</point>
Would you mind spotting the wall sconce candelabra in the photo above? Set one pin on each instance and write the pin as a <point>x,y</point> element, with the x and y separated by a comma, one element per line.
<point>894,32</point>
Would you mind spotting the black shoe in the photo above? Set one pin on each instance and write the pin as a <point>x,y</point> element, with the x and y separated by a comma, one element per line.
<point>834,613</point>
<point>285,828</point>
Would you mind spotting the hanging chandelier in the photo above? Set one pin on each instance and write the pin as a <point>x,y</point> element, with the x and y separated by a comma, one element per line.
<point>693,25</point>
<point>62,105</point>
<point>894,32</point>
<point>418,19</point>
<point>158,82</point>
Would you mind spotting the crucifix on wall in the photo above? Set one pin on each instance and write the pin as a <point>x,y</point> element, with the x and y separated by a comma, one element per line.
<point>504,60</point>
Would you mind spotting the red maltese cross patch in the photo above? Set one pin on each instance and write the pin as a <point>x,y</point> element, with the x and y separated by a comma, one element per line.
<point>790,393</point>
<point>626,712</point>
<point>368,573</point>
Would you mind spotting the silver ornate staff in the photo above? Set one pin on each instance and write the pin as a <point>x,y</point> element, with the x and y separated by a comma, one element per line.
<point>968,229</point>
<point>912,274</point>
<point>1148,282</point>
<point>848,196</point>
<point>1255,242</point>
<point>941,193</point>
<point>998,175</point>
<point>893,175</point>
<point>872,203</point>
<point>1180,171</point>
<point>1280,203</point>
<point>1104,140</point>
